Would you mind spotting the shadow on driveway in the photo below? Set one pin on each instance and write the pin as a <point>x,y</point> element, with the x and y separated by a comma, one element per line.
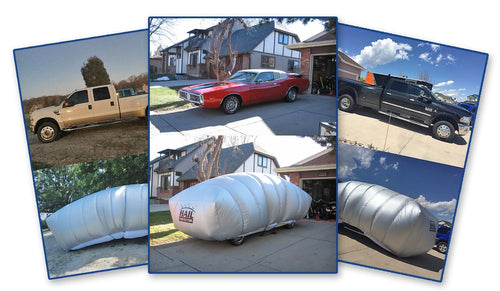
<point>301,117</point>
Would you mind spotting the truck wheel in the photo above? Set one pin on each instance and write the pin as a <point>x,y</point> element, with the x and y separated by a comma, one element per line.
<point>443,130</point>
<point>442,247</point>
<point>48,132</point>
<point>291,95</point>
<point>231,104</point>
<point>346,103</point>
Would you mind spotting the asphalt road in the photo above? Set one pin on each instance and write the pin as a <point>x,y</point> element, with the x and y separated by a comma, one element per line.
<point>358,249</point>
<point>308,247</point>
<point>371,129</point>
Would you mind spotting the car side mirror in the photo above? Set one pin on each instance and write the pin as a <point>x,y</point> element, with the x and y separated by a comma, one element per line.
<point>258,81</point>
<point>67,104</point>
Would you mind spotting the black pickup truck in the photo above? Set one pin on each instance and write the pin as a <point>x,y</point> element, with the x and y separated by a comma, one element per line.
<point>408,100</point>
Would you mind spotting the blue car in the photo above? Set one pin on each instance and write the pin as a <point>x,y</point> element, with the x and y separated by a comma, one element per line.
<point>443,238</point>
<point>469,107</point>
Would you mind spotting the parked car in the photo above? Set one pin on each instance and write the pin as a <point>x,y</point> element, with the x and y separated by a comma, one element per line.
<point>408,100</point>
<point>443,238</point>
<point>472,108</point>
<point>246,87</point>
<point>86,107</point>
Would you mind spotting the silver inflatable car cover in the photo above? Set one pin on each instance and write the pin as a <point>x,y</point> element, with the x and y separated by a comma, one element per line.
<point>395,222</point>
<point>120,212</point>
<point>234,205</point>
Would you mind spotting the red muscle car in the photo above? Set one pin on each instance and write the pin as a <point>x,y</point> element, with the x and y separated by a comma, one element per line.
<point>246,87</point>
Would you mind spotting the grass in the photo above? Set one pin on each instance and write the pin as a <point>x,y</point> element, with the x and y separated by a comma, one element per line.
<point>165,98</point>
<point>162,229</point>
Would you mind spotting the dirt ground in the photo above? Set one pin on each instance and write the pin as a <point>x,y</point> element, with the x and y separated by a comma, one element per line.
<point>106,256</point>
<point>91,144</point>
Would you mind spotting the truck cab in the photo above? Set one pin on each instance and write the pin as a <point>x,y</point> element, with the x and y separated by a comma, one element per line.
<point>86,107</point>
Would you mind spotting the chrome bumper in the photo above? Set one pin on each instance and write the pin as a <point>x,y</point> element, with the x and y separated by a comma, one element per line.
<point>463,129</point>
<point>194,98</point>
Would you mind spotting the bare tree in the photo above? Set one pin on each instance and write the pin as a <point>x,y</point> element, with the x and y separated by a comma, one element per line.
<point>223,31</point>
<point>208,163</point>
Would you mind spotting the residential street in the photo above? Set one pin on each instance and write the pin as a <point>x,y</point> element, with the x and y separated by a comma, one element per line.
<point>308,247</point>
<point>371,129</point>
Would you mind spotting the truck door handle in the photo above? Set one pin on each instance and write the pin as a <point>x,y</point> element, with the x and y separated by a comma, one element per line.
<point>411,99</point>
<point>388,93</point>
<point>90,107</point>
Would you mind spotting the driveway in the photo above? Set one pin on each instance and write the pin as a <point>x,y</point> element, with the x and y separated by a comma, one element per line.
<point>105,256</point>
<point>373,130</point>
<point>308,247</point>
<point>358,249</point>
<point>301,118</point>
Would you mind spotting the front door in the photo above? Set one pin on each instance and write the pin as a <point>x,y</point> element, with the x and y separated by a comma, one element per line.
<point>76,110</point>
<point>264,88</point>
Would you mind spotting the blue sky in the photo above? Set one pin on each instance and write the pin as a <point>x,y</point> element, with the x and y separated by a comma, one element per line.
<point>54,69</point>
<point>454,71</point>
<point>435,186</point>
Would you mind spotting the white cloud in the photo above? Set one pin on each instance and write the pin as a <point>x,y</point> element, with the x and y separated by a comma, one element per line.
<point>426,57</point>
<point>382,51</point>
<point>439,58</point>
<point>353,157</point>
<point>385,166</point>
<point>434,47</point>
<point>442,209</point>
<point>447,83</point>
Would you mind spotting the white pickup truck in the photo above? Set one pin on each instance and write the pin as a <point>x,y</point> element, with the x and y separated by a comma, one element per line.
<point>84,108</point>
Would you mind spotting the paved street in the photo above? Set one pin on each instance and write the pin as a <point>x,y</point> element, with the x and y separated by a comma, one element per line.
<point>308,247</point>
<point>370,128</point>
<point>358,249</point>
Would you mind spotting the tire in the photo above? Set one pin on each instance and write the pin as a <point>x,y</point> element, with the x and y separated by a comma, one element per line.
<point>443,130</point>
<point>442,247</point>
<point>47,132</point>
<point>237,241</point>
<point>346,103</point>
<point>291,95</point>
<point>231,104</point>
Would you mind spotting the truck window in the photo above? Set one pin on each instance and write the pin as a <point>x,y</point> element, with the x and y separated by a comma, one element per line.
<point>101,93</point>
<point>399,86</point>
<point>76,98</point>
<point>416,91</point>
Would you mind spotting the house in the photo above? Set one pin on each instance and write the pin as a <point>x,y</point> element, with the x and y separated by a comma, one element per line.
<point>318,61</point>
<point>317,175</point>
<point>259,46</point>
<point>176,169</point>
<point>348,68</point>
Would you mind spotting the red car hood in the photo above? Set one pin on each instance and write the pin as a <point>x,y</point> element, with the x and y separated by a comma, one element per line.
<point>213,86</point>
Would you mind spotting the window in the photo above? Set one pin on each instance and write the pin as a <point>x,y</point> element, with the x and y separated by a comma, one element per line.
<point>101,93</point>
<point>283,38</point>
<point>293,66</point>
<point>76,98</point>
<point>267,62</point>
<point>399,86</point>
<point>193,59</point>
<point>262,161</point>
<point>171,61</point>
<point>165,182</point>
<point>265,77</point>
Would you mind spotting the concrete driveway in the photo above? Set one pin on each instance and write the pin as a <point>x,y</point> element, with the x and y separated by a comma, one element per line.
<point>358,249</point>
<point>308,247</point>
<point>301,117</point>
<point>371,129</point>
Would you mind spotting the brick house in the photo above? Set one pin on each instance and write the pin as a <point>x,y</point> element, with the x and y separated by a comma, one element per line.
<point>259,46</point>
<point>176,169</point>
<point>317,175</point>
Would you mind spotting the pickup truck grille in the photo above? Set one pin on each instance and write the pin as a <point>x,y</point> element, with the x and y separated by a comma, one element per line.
<point>194,98</point>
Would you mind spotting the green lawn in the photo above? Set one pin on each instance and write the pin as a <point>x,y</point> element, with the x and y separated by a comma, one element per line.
<point>165,98</point>
<point>162,229</point>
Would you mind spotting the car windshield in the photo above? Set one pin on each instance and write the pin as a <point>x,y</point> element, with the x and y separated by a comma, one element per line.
<point>241,76</point>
